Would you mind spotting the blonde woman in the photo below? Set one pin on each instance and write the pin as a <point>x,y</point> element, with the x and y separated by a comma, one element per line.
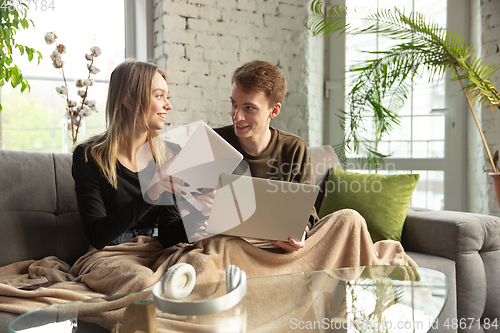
<point>112,206</point>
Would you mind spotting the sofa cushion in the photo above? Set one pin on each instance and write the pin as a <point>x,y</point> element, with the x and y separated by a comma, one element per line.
<point>27,235</point>
<point>65,185</point>
<point>381,199</point>
<point>38,208</point>
<point>28,182</point>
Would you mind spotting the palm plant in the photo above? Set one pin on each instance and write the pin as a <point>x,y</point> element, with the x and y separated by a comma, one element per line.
<point>382,84</point>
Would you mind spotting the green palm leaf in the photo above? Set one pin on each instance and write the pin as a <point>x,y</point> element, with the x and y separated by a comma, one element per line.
<point>382,85</point>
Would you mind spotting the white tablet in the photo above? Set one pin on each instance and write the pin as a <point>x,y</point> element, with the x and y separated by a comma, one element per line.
<point>203,158</point>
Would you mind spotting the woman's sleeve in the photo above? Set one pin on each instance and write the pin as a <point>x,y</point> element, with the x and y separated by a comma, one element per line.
<point>173,229</point>
<point>101,228</point>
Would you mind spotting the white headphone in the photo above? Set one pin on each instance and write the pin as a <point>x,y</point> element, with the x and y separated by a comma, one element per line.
<point>179,281</point>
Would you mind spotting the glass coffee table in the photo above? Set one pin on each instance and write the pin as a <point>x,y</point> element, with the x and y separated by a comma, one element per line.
<point>358,299</point>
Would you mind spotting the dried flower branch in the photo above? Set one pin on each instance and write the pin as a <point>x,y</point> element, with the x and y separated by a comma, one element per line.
<point>75,111</point>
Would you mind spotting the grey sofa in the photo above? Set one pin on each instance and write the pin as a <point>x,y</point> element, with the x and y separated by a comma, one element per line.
<point>39,217</point>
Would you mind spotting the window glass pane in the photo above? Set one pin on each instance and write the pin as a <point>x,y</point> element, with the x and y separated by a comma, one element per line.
<point>428,128</point>
<point>32,120</point>
<point>384,147</point>
<point>407,108</point>
<point>399,149</point>
<point>427,98</point>
<point>401,132</point>
<point>428,149</point>
<point>398,142</point>
<point>78,25</point>
<point>429,192</point>
<point>401,4</point>
<point>361,3</point>
<point>354,45</point>
<point>436,9</point>
<point>96,123</point>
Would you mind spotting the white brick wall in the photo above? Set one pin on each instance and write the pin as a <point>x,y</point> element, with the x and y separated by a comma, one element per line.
<point>486,41</point>
<point>201,42</point>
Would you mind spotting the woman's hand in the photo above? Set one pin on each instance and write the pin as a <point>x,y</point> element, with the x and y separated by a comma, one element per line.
<point>205,196</point>
<point>200,232</point>
<point>292,245</point>
<point>162,182</point>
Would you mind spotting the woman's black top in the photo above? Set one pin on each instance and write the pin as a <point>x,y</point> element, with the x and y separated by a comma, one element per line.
<point>107,212</point>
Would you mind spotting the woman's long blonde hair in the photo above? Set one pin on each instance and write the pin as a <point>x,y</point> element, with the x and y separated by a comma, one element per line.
<point>131,79</point>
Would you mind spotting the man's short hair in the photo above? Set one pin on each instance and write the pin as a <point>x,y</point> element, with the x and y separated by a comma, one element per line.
<point>263,76</point>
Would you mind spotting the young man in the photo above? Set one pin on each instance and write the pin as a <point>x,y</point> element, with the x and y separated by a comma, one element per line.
<point>258,89</point>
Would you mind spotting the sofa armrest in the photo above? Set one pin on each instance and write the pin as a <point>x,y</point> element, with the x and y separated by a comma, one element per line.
<point>449,233</point>
<point>473,242</point>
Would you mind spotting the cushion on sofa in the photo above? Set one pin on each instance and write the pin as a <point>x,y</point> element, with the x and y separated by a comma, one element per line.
<point>38,208</point>
<point>381,199</point>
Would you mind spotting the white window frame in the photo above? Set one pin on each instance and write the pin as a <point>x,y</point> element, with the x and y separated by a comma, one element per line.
<point>139,29</point>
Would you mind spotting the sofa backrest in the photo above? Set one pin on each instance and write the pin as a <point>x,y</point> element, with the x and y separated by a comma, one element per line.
<point>38,210</point>
<point>322,159</point>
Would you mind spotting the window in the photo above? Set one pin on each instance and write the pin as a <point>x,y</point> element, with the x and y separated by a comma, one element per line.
<point>431,138</point>
<point>421,134</point>
<point>32,121</point>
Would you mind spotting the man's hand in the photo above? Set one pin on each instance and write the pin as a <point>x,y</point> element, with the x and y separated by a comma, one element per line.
<point>200,232</point>
<point>292,245</point>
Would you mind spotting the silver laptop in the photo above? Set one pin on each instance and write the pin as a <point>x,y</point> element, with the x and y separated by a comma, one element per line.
<point>261,208</point>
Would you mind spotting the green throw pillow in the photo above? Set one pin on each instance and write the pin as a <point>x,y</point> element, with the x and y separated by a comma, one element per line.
<point>381,199</point>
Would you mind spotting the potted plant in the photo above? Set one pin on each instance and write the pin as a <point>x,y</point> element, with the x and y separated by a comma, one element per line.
<point>495,175</point>
<point>381,85</point>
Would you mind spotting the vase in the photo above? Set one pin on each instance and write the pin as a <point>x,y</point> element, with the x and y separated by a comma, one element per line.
<point>496,186</point>
<point>67,142</point>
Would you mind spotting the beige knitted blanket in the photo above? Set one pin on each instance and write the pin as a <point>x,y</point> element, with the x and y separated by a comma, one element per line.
<point>338,240</point>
